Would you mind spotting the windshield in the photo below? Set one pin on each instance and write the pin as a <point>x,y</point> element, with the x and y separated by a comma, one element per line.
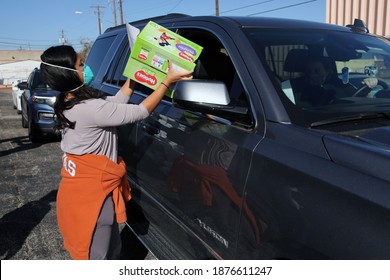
<point>323,74</point>
<point>38,83</point>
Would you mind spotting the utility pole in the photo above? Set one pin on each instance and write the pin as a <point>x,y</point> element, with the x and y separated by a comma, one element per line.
<point>114,10</point>
<point>62,39</point>
<point>121,11</point>
<point>216,8</point>
<point>98,7</point>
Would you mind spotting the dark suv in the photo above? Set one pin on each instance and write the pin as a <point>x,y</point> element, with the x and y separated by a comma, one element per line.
<point>37,103</point>
<point>265,174</point>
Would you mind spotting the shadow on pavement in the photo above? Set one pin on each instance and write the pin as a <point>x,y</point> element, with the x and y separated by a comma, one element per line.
<point>23,144</point>
<point>16,226</point>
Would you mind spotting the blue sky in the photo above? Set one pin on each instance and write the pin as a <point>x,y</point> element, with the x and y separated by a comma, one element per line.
<point>39,24</point>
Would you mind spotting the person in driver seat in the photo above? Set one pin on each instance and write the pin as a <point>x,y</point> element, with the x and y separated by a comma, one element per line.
<point>310,88</point>
<point>316,88</point>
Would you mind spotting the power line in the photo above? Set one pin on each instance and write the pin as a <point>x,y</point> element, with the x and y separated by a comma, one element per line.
<point>281,8</point>
<point>175,6</point>
<point>154,7</point>
<point>18,39</point>
<point>24,45</point>
<point>240,8</point>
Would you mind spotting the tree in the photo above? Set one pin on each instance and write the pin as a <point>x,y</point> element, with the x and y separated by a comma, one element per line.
<point>87,44</point>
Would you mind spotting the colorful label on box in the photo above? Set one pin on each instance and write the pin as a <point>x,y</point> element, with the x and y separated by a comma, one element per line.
<point>154,46</point>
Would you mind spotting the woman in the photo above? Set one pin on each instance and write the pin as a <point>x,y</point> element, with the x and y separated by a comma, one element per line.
<point>93,189</point>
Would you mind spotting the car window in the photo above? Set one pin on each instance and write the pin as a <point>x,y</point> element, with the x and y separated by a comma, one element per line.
<point>115,73</point>
<point>335,87</point>
<point>37,82</point>
<point>215,63</point>
<point>98,52</point>
<point>30,79</point>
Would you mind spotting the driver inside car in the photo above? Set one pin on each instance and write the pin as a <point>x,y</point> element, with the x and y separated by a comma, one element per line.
<point>316,88</point>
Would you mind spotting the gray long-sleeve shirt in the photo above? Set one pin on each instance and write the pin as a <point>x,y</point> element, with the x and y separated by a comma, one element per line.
<point>96,121</point>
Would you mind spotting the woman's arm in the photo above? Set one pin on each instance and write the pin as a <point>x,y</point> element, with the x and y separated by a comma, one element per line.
<point>124,93</point>
<point>151,102</point>
<point>128,87</point>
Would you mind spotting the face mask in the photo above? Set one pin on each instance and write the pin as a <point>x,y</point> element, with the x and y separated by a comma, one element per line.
<point>88,75</point>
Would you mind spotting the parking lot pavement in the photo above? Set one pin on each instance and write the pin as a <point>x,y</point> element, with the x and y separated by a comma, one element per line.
<point>30,174</point>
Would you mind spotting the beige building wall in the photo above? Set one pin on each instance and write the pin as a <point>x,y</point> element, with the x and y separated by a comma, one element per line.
<point>19,55</point>
<point>375,13</point>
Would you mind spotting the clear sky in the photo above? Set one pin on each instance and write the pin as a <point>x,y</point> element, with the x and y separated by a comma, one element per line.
<point>39,24</point>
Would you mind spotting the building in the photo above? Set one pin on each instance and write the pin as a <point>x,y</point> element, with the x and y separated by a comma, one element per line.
<point>17,64</point>
<point>9,56</point>
<point>375,13</point>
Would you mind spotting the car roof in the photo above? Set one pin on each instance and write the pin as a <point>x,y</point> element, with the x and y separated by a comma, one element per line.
<point>242,22</point>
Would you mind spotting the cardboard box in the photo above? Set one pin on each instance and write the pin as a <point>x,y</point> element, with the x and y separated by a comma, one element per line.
<point>153,47</point>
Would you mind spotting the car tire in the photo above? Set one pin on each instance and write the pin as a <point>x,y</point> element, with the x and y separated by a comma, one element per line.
<point>33,134</point>
<point>24,122</point>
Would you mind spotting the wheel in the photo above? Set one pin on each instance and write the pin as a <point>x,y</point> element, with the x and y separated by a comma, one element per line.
<point>33,133</point>
<point>24,122</point>
<point>364,90</point>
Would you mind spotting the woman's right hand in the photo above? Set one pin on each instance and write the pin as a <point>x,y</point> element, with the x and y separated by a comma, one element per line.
<point>174,76</point>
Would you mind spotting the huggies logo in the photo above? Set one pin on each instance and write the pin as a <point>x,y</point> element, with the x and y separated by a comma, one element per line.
<point>186,56</point>
<point>143,77</point>
<point>69,166</point>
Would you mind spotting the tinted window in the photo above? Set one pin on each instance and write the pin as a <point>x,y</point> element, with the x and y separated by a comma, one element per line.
<point>98,51</point>
<point>37,82</point>
<point>119,78</point>
<point>115,73</point>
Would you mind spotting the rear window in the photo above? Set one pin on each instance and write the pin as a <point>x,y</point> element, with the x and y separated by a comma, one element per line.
<point>98,52</point>
<point>37,82</point>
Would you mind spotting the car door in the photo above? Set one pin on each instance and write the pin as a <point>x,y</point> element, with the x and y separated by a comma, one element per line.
<point>24,100</point>
<point>191,168</point>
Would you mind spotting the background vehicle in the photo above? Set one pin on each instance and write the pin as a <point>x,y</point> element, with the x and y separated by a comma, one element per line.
<point>262,176</point>
<point>16,95</point>
<point>37,107</point>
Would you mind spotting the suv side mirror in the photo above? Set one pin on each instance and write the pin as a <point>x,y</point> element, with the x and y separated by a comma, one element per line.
<point>210,97</point>
<point>22,85</point>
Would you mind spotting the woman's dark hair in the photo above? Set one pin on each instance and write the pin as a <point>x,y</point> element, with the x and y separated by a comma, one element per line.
<point>64,80</point>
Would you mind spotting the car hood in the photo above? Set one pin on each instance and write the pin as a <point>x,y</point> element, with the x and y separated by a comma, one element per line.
<point>45,92</point>
<point>367,151</point>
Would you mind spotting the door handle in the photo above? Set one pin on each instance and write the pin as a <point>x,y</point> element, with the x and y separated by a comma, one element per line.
<point>149,128</point>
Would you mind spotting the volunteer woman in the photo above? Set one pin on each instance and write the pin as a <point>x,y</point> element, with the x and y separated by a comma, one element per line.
<point>93,187</point>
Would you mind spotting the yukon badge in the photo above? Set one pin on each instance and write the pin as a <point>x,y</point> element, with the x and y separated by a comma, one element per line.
<point>212,232</point>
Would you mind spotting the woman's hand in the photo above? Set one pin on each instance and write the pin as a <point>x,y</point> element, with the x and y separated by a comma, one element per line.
<point>174,76</point>
<point>128,87</point>
<point>370,82</point>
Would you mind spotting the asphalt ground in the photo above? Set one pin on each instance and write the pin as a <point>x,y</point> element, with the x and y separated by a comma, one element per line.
<point>29,179</point>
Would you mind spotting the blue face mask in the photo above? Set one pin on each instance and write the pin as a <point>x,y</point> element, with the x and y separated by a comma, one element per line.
<point>88,75</point>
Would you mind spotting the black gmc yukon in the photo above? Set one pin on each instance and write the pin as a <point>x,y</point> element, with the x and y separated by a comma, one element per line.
<point>268,174</point>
